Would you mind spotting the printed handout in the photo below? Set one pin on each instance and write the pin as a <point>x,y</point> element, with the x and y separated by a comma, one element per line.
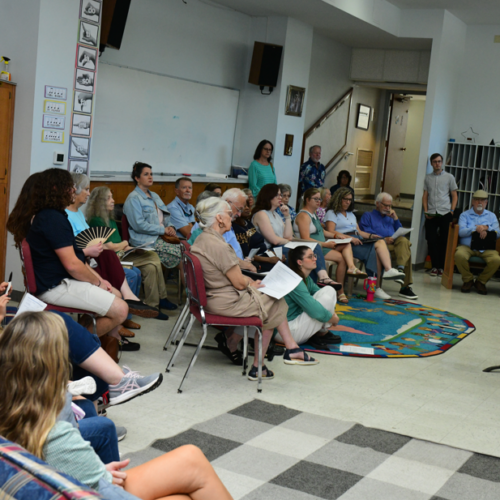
<point>280,281</point>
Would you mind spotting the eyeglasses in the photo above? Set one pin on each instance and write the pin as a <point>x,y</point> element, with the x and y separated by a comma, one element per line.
<point>386,205</point>
<point>311,257</point>
<point>238,209</point>
<point>186,213</point>
<point>316,199</point>
<point>267,149</point>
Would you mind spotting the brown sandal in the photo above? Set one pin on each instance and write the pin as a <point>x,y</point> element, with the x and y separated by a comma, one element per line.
<point>342,298</point>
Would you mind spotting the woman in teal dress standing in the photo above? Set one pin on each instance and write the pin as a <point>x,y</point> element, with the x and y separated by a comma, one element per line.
<point>261,170</point>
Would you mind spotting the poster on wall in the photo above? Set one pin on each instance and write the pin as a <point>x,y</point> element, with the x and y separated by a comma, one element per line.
<point>52,121</point>
<point>80,125</point>
<point>82,102</point>
<point>60,93</point>
<point>86,58</point>
<point>79,148</point>
<point>78,167</point>
<point>54,107</point>
<point>88,34</point>
<point>90,10</point>
<point>84,80</point>
<point>53,136</point>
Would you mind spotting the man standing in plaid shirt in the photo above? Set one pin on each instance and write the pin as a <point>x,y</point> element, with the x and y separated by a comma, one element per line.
<point>312,172</point>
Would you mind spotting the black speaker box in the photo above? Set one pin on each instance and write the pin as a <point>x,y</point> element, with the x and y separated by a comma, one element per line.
<point>265,66</point>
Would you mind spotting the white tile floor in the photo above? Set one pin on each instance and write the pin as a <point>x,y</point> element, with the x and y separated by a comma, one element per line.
<point>446,399</point>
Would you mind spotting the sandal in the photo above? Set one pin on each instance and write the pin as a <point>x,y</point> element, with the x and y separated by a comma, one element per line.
<point>342,298</point>
<point>329,282</point>
<point>253,374</point>
<point>357,273</point>
<point>235,356</point>
<point>308,360</point>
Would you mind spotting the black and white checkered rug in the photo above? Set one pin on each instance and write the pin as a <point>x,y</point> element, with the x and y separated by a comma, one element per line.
<point>264,451</point>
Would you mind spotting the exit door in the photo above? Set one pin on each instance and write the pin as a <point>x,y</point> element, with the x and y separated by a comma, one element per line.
<point>395,145</point>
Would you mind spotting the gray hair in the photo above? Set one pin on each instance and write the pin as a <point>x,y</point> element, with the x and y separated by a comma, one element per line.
<point>208,209</point>
<point>285,188</point>
<point>206,194</point>
<point>81,182</point>
<point>247,191</point>
<point>312,147</point>
<point>233,194</point>
<point>380,197</point>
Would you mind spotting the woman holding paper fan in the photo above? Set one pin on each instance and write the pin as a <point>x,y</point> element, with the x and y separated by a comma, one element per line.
<point>311,310</point>
<point>100,212</point>
<point>231,293</point>
<point>308,227</point>
<point>279,233</point>
<point>374,253</point>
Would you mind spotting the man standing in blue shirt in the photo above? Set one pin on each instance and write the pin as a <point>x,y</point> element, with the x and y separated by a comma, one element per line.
<point>383,222</point>
<point>181,211</point>
<point>479,220</point>
<point>312,172</point>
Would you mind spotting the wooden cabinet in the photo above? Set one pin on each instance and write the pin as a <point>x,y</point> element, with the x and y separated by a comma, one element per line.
<point>165,189</point>
<point>7,100</point>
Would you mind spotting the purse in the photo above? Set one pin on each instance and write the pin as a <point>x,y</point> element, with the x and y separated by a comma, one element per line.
<point>170,239</point>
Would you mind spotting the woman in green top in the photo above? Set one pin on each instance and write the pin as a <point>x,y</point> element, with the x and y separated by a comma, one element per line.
<point>308,227</point>
<point>311,310</point>
<point>261,170</point>
<point>100,212</point>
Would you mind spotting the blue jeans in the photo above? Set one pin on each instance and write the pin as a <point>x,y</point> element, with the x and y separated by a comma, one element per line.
<point>367,254</point>
<point>99,431</point>
<point>134,280</point>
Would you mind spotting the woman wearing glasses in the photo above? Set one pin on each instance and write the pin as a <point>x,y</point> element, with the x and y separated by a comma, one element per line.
<point>261,170</point>
<point>149,218</point>
<point>375,254</point>
<point>308,227</point>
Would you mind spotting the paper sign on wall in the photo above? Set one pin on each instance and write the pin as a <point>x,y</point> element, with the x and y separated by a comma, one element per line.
<point>51,121</point>
<point>56,92</point>
<point>54,107</point>
<point>53,136</point>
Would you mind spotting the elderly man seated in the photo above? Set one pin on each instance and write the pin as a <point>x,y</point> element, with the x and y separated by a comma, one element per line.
<point>480,221</point>
<point>383,222</point>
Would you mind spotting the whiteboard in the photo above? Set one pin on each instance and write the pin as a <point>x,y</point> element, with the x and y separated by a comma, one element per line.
<point>330,132</point>
<point>175,125</point>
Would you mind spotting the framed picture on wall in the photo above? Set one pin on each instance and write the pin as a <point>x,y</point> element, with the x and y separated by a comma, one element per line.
<point>84,80</point>
<point>295,100</point>
<point>79,148</point>
<point>88,34</point>
<point>82,102</point>
<point>363,120</point>
<point>78,167</point>
<point>86,58</point>
<point>81,125</point>
<point>90,10</point>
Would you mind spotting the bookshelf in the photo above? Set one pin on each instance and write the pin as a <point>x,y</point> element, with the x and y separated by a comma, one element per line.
<point>474,167</point>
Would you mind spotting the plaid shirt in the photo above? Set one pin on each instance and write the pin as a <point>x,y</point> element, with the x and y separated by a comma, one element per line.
<point>311,176</point>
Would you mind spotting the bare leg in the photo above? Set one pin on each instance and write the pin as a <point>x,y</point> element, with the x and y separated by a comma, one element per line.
<point>286,335</point>
<point>127,292</point>
<point>115,316</point>
<point>383,254</point>
<point>184,473</point>
<point>100,364</point>
<point>348,257</point>
<point>266,338</point>
<point>337,257</point>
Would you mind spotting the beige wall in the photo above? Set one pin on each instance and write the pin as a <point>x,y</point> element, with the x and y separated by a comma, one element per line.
<point>412,145</point>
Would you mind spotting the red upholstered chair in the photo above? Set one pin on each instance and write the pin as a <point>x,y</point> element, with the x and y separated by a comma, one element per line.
<point>195,288</point>
<point>30,284</point>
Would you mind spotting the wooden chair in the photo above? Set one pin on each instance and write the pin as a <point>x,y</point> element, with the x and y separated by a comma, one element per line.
<point>449,263</point>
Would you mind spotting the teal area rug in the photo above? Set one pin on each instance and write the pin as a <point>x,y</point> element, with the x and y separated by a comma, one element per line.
<point>394,329</point>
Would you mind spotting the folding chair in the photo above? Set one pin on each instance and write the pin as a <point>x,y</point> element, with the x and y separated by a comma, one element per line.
<point>30,285</point>
<point>126,236</point>
<point>195,289</point>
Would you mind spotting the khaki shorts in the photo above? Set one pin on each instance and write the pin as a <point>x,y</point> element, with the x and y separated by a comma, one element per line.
<point>79,295</point>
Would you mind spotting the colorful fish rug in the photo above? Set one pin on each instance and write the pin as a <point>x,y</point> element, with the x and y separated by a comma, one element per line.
<point>394,329</point>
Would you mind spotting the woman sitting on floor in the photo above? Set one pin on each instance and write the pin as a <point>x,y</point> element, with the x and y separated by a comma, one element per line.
<point>341,221</point>
<point>311,310</point>
<point>277,233</point>
<point>148,218</point>
<point>308,227</point>
<point>100,212</point>
<point>230,293</point>
<point>35,401</point>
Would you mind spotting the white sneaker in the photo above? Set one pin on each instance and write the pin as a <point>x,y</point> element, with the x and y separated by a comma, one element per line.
<point>380,294</point>
<point>85,385</point>
<point>393,274</point>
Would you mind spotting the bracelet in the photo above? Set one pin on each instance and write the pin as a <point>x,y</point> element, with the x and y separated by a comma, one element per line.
<point>98,284</point>
<point>289,218</point>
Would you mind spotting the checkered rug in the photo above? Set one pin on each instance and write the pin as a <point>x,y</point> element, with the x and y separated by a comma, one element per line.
<point>265,451</point>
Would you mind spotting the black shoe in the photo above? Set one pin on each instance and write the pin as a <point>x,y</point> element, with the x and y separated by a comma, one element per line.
<point>235,356</point>
<point>317,342</point>
<point>336,286</point>
<point>126,345</point>
<point>166,304</point>
<point>162,317</point>
<point>141,309</point>
<point>331,338</point>
<point>408,293</point>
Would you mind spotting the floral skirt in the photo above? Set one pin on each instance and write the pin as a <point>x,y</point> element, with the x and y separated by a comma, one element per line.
<point>170,255</point>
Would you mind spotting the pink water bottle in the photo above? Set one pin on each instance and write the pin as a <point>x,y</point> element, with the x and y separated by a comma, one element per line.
<point>370,285</point>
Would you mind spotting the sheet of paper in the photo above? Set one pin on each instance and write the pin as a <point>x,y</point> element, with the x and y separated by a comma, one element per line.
<point>270,253</point>
<point>30,303</point>
<point>280,281</point>
<point>125,263</point>
<point>278,251</point>
<point>295,244</point>
<point>9,288</point>
<point>401,232</point>
<point>356,349</point>
<point>340,241</point>
<point>253,252</point>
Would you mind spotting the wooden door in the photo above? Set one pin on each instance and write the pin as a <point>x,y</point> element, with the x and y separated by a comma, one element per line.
<point>398,123</point>
<point>7,99</point>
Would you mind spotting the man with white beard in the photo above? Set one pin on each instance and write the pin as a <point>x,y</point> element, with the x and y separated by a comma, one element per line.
<point>481,221</point>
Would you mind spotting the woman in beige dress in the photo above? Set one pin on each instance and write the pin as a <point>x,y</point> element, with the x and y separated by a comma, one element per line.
<point>231,293</point>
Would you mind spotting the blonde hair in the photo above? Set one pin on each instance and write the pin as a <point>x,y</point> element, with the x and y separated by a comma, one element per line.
<point>97,205</point>
<point>34,370</point>
<point>207,210</point>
